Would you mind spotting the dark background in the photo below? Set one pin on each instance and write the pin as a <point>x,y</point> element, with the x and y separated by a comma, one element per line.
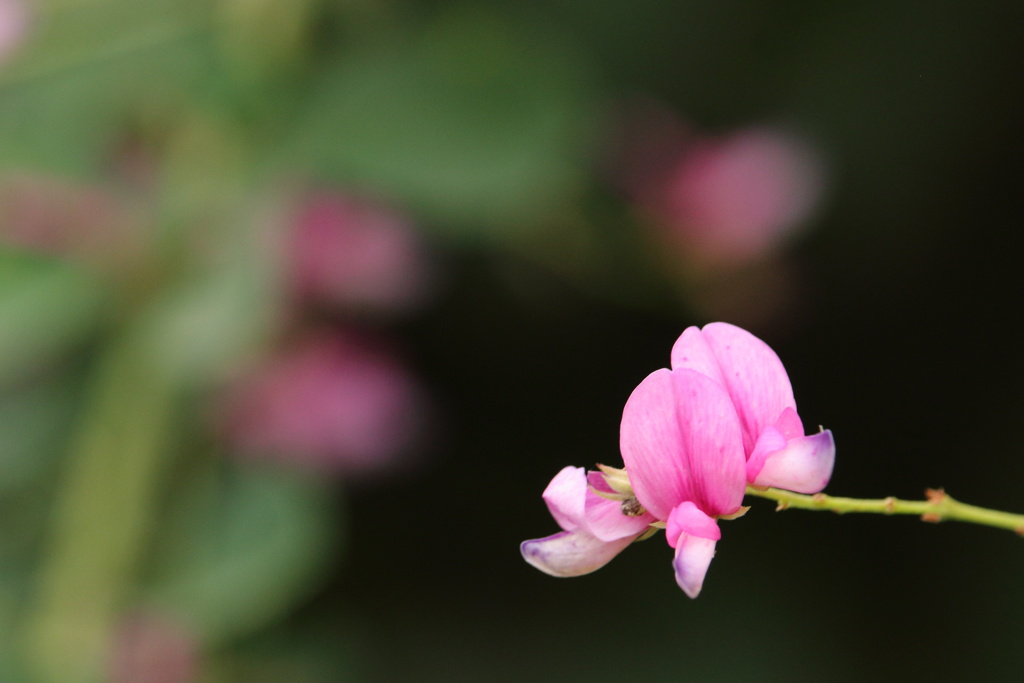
<point>907,348</point>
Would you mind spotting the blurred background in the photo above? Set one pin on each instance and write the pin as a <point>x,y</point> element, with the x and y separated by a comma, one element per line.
<point>302,305</point>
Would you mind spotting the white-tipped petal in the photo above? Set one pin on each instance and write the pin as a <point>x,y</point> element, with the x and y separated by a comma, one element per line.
<point>693,534</point>
<point>571,553</point>
<point>693,557</point>
<point>804,465</point>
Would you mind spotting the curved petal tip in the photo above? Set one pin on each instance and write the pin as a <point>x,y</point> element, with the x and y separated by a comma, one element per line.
<point>693,557</point>
<point>804,465</point>
<point>693,534</point>
<point>571,553</point>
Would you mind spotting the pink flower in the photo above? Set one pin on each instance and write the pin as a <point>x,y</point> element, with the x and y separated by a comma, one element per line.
<point>736,197</point>
<point>717,200</point>
<point>692,438</point>
<point>777,451</point>
<point>353,253</point>
<point>330,402</point>
<point>594,529</point>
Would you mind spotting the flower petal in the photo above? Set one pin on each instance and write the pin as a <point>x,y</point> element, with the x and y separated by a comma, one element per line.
<point>804,465</point>
<point>789,424</point>
<point>571,553</point>
<point>693,534</point>
<point>566,497</point>
<point>687,518</point>
<point>692,352</point>
<point>754,377</point>
<point>606,521</point>
<point>693,557</point>
<point>597,481</point>
<point>681,440</point>
<point>770,441</point>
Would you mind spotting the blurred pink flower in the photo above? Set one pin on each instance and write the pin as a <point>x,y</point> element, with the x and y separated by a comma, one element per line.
<point>64,218</point>
<point>737,197</point>
<point>720,200</point>
<point>151,648</point>
<point>14,24</point>
<point>330,402</point>
<point>354,254</point>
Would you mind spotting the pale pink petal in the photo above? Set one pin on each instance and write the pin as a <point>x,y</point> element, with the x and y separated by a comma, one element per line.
<point>575,506</point>
<point>606,521</point>
<point>566,497</point>
<point>681,440</point>
<point>693,534</point>
<point>754,377</point>
<point>693,557</point>
<point>571,553</point>
<point>804,465</point>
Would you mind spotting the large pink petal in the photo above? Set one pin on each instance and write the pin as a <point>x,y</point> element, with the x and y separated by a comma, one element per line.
<point>754,377</point>
<point>566,497</point>
<point>804,465</point>
<point>692,352</point>
<point>571,553</point>
<point>681,440</point>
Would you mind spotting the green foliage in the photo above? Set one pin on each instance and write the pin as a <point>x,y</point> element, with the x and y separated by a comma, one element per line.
<point>240,548</point>
<point>88,70</point>
<point>47,308</point>
<point>474,122</point>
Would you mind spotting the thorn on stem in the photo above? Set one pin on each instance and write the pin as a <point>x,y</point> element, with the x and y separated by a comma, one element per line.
<point>932,517</point>
<point>935,496</point>
<point>781,506</point>
<point>890,505</point>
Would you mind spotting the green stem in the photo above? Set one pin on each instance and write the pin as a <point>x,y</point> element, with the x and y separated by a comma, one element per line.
<point>105,506</point>
<point>937,507</point>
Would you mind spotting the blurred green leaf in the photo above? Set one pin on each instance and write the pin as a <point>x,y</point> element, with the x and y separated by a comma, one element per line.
<point>206,325</point>
<point>33,425</point>
<point>46,308</point>
<point>478,119</point>
<point>242,548</point>
<point>87,69</point>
